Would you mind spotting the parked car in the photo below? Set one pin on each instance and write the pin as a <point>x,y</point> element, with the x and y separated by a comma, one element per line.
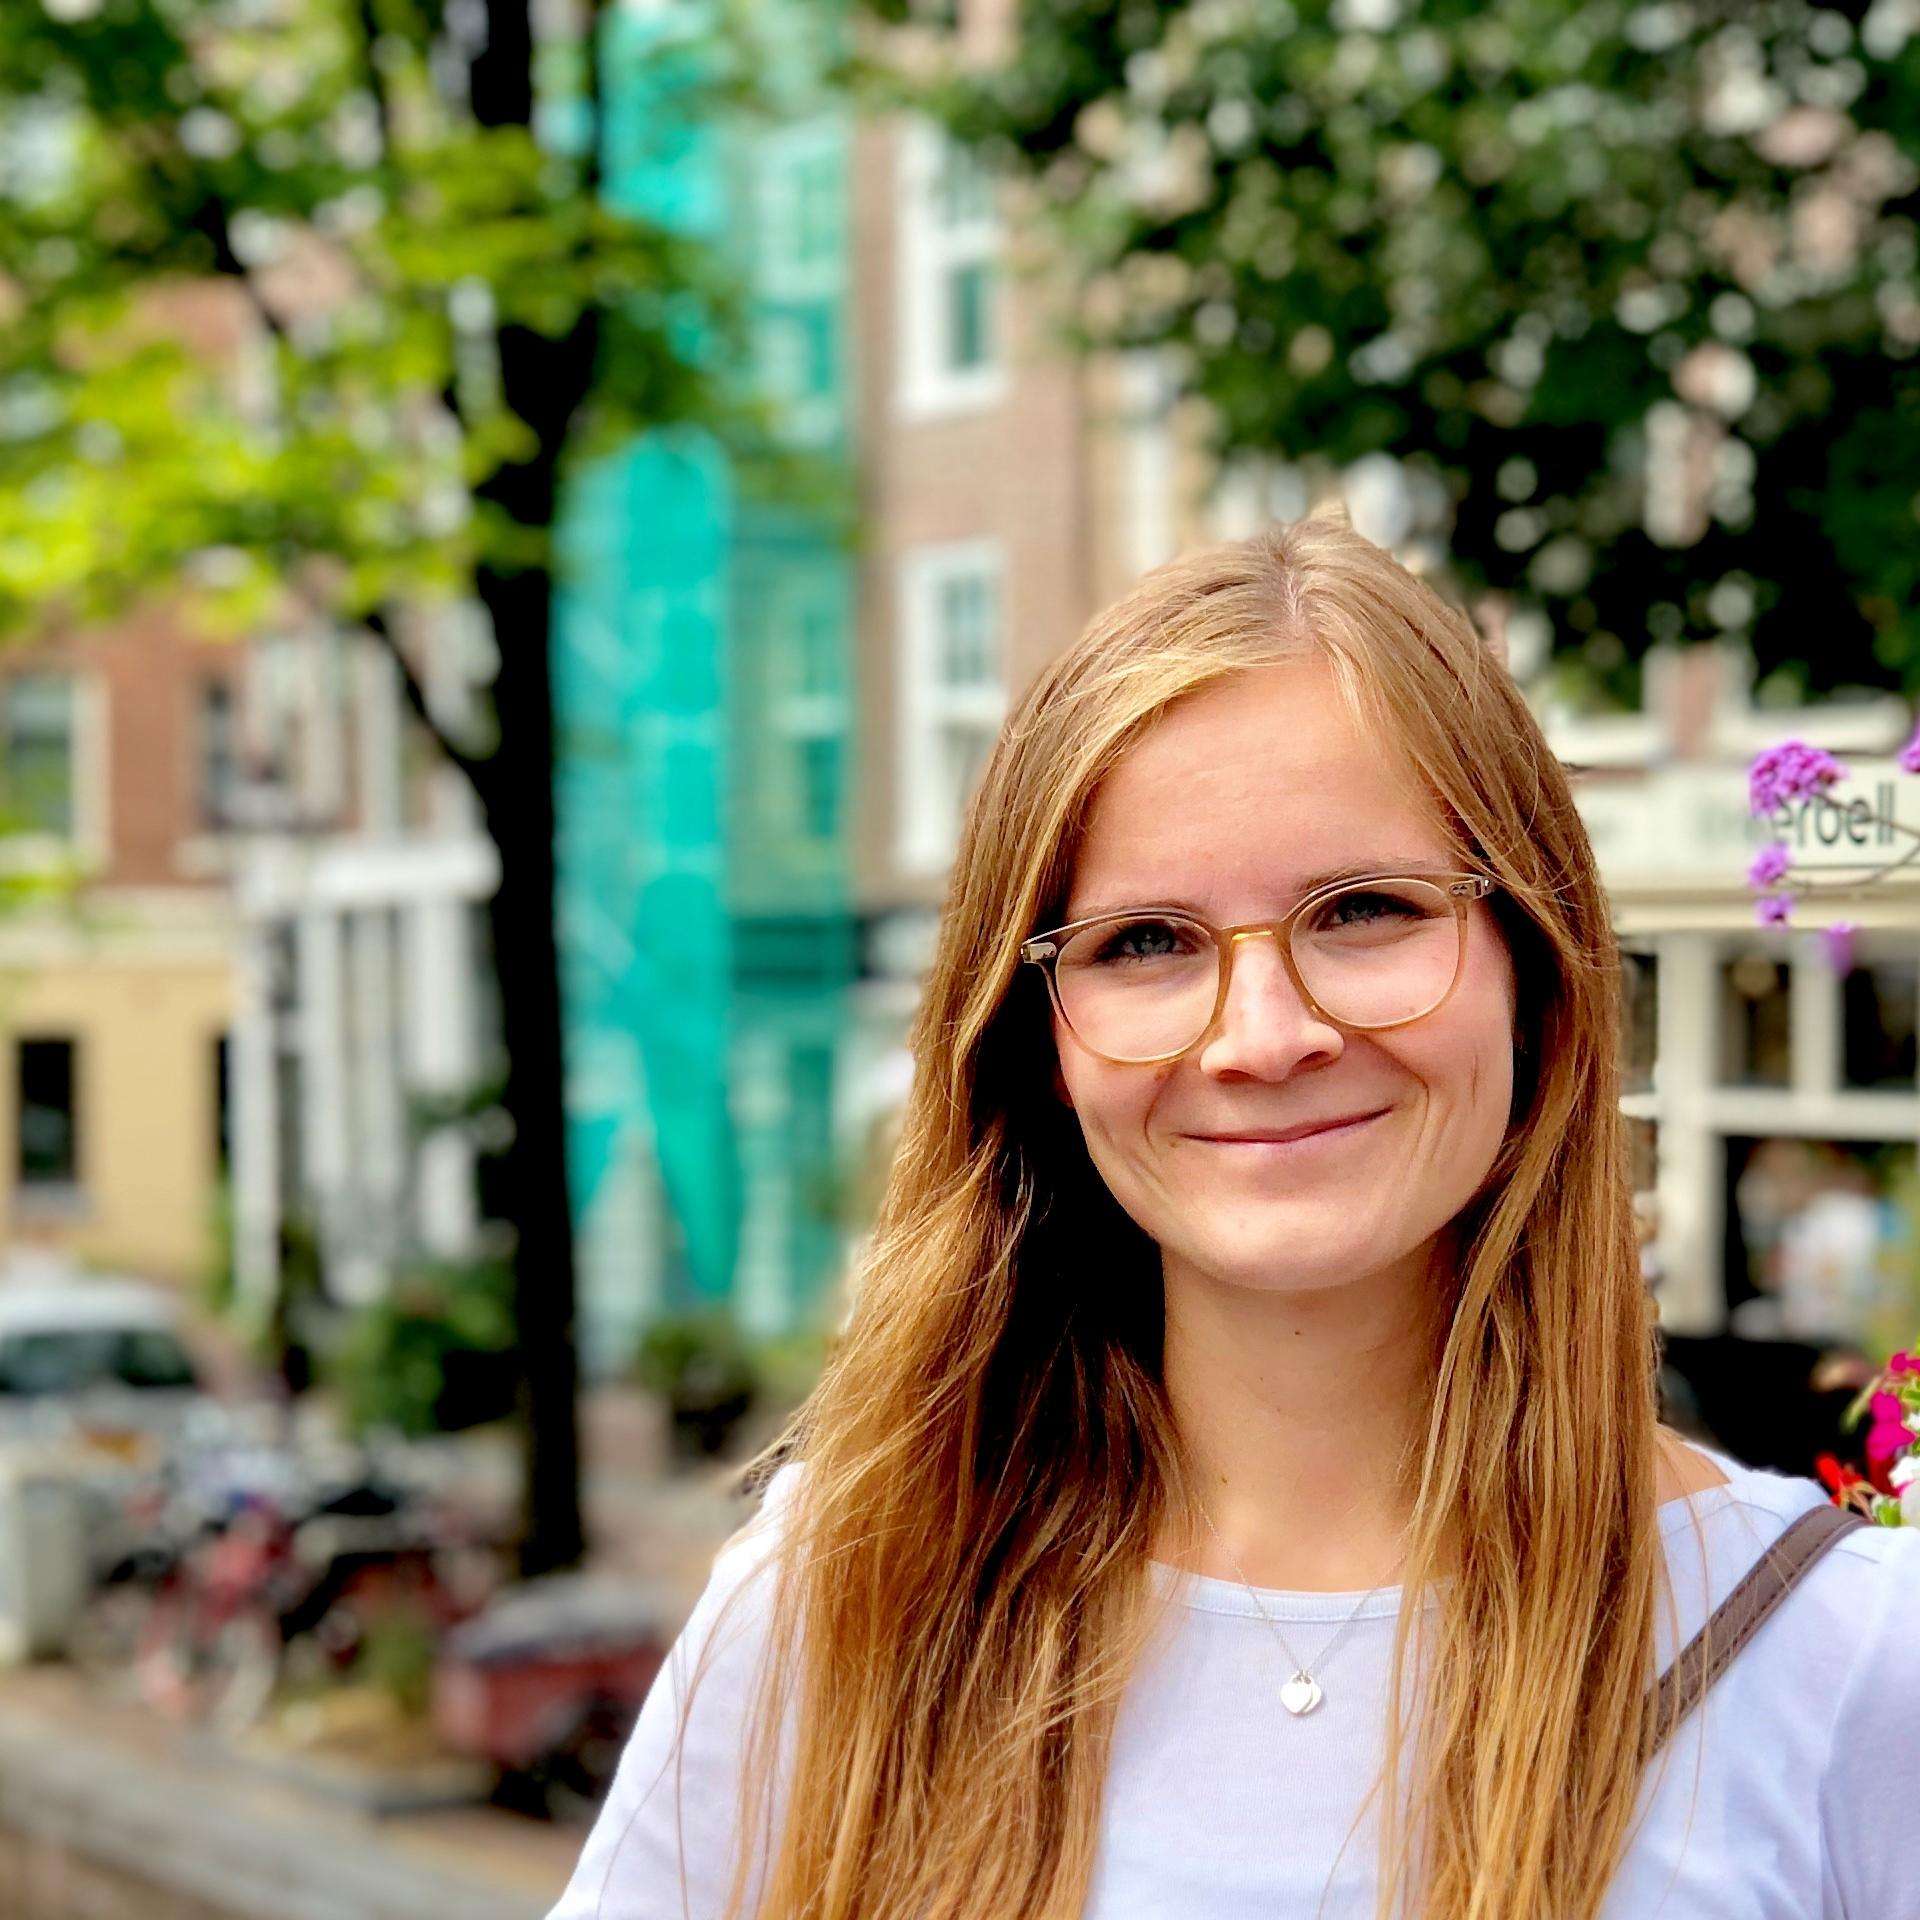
<point>101,1359</point>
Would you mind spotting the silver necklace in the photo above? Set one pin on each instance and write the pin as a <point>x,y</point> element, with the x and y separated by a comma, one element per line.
<point>1302,1693</point>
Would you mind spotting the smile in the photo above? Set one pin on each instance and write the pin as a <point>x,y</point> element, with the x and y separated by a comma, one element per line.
<point>1280,1140</point>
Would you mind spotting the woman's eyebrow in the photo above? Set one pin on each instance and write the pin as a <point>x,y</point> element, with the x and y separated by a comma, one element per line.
<point>1309,883</point>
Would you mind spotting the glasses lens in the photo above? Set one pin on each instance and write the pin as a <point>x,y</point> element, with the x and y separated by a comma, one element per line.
<point>1380,951</point>
<point>1138,987</point>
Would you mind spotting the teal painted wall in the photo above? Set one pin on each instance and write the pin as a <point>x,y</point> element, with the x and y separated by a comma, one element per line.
<point>703,713</point>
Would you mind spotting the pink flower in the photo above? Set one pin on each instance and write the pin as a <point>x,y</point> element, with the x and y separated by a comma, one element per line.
<point>1910,754</point>
<point>1903,1363</point>
<point>1838,942</point>
<point>1773,909</point>
<point>1885,1442</point>
<point>1770,864</point>
<point>1791,771</point>
<point>1888,1437</point>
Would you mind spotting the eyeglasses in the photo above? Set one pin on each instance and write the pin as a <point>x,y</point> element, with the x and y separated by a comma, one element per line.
<point>1148,984</point>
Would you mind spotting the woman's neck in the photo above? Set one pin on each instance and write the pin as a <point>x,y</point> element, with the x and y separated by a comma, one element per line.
<point>1299,1412</point>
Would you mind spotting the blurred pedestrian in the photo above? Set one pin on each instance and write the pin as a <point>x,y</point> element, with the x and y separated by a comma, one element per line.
<point>1239,1493</point>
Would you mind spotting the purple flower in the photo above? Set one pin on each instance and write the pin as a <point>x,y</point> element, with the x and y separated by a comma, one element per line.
<point>1773,909</point>
<point>1791,771</point>
<point>1910,754</point>
<point>1838,942</point>
<point>1770,864</point>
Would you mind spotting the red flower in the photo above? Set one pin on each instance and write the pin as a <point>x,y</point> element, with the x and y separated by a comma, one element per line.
<point>1838,1478</point>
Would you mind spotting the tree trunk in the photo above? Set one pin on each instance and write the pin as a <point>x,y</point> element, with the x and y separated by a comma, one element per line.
<point>543,381</point>
<point>517,799</point>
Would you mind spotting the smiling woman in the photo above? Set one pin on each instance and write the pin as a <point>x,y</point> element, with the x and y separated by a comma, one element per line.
<point>1375,1024</point>
<point>1247,1404</point>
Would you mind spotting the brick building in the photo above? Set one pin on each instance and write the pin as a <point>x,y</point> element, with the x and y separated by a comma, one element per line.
<point>119,767</point>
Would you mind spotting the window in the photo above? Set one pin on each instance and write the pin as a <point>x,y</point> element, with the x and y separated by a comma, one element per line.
<point>1881,1000</point>
<point>37,754</point>
<point>1811,1240</point>
<point>80,1359</point>
<point>47,1133</point>
<point>954,692</point>
<point>1755,1022</point>
<point>1639,1020</point>
<point>219,757</point>
<point>222,1074</point>
<point>799,271</point>
<point>801,188</point>
<point>809,713</point>
<point>799,363</point>
<point>1643,1155</point>
<point>950,286</point>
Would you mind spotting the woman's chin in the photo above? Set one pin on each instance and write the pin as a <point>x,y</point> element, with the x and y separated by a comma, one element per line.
<point>1302,1254</point>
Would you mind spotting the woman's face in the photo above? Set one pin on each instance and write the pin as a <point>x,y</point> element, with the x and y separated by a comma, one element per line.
<point>1236,803</point>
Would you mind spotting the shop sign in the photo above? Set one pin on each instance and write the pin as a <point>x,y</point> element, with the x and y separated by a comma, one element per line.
<point>1690,825</point>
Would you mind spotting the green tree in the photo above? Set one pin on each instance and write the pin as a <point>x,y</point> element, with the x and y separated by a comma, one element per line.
<point>1535,251</point>
<point>437,311</point>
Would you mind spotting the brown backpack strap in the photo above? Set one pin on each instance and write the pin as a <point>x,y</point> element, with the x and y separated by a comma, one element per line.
<point>1741,1615</point>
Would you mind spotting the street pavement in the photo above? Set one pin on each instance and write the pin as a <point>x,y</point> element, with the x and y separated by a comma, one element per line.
<point>164,1804</point>
<point>136,1793</point>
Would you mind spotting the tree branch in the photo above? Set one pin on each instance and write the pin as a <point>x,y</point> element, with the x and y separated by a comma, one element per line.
<point>211,219</point>
<point>376,80</point>
<point>471,765</point>
<point>593,83</point>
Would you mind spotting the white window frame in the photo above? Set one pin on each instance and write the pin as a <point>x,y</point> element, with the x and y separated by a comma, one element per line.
<point>210,849</point>
<point>293,729</point>
<point>929,818</point>
<point>85,843</point>
<point>929,251</point>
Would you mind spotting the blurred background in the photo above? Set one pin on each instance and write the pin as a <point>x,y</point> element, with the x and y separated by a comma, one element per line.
<point>519,523</point>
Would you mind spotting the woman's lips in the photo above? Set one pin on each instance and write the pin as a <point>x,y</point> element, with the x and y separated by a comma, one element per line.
<point>1280,1142</point>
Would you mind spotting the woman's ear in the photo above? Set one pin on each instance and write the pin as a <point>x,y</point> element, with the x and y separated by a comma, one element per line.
<point>1060,1091</point>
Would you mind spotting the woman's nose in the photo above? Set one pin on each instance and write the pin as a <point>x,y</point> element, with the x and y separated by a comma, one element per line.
<point>1265,1028</point>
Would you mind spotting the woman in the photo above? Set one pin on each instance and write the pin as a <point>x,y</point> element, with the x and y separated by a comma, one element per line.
<point>1238,1491</point>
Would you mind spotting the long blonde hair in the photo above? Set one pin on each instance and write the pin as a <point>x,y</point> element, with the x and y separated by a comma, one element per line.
<point>990,1457</point>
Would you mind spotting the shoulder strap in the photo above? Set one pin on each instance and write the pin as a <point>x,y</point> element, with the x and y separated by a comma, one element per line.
<point>1740,1616</point>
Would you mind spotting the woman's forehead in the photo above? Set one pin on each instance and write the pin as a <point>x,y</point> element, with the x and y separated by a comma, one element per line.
<point>1269,779</point>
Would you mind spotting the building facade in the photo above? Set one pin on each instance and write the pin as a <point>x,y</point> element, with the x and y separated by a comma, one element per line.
<point>704,704</point>
<point>118,774</point>
<point>1772,1081</point>
<point>767,732</point>
<point>365,1032</point>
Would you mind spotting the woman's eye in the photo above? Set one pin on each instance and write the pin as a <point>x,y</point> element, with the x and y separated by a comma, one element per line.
<point>1368,909</point>
<point>1145,940</point>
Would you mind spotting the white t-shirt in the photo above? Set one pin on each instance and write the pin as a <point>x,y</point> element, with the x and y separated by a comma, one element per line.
<point>1791,1794</point>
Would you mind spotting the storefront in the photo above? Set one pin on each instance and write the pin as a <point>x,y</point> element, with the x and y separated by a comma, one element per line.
<point>1771,1072</point>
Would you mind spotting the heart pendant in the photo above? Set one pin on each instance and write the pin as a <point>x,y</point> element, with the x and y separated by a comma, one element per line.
<point>1301,1694</point>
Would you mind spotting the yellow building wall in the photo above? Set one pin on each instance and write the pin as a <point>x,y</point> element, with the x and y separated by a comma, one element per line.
<point>146,1108</point>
